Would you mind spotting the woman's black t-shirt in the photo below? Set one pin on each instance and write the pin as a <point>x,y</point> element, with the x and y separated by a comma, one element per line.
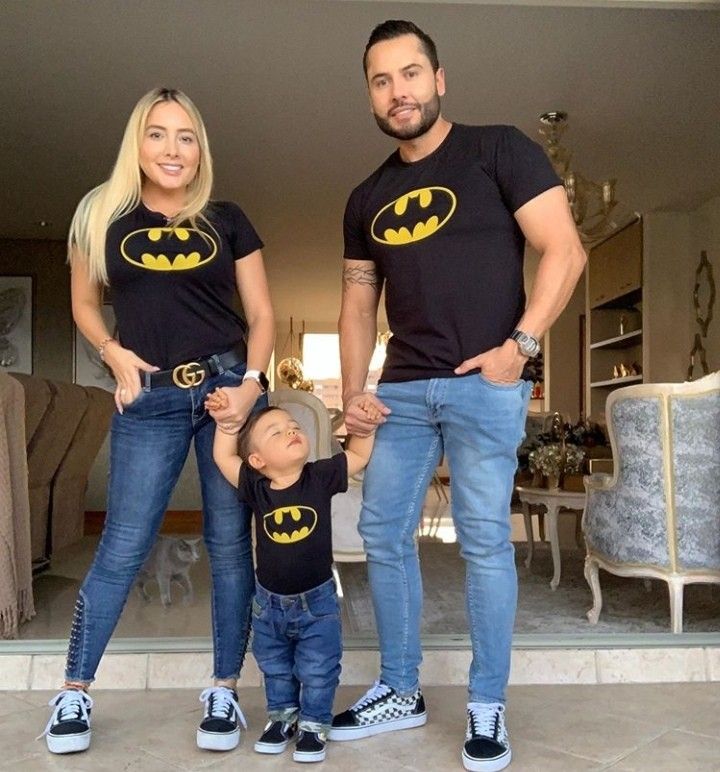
<point>174,290</point>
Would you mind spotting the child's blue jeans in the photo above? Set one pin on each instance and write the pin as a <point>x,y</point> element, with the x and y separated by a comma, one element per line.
<point>297,643</point>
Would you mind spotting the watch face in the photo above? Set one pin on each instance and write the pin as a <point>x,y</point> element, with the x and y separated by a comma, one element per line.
<point>264,383</point>
<point>528,345</point>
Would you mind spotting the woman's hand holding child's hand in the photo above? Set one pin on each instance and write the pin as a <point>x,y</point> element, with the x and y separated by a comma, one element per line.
<point>215,402</point>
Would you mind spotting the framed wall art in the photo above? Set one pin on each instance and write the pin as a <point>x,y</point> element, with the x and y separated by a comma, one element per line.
<point>16,323</point>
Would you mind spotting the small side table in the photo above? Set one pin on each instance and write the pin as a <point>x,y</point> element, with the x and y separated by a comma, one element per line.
<point>554,500</point>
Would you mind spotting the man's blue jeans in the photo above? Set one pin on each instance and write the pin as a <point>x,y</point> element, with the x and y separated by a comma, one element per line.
<point>478,425</point>
<point>297,643</point>
<point>148,447</point>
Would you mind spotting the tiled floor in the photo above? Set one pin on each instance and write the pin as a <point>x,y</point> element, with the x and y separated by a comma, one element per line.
<point>659,727</point>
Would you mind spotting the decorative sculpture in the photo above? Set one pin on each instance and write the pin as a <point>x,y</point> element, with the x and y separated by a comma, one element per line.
<point>698,350</point>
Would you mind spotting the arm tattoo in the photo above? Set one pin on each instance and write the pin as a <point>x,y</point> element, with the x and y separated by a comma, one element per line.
<point>366,276</point>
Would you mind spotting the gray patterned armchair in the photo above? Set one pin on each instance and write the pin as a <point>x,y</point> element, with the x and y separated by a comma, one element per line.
<point>658,516</point>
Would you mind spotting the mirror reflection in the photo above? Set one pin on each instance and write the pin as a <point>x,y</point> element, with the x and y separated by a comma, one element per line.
<point>631,321</point>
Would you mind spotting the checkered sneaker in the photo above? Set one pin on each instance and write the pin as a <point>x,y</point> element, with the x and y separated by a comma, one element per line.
<point>487,746</point>
<point>380,709</point>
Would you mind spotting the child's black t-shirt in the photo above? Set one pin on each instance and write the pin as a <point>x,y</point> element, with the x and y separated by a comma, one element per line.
<point>293,528</point>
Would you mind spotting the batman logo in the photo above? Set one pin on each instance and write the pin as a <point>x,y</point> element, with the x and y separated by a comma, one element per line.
<point>288,525</point>
<point>413,216</point>
<point>168,249</point>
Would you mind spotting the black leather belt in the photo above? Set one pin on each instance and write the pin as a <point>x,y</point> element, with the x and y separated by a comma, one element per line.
<point>190,374</point>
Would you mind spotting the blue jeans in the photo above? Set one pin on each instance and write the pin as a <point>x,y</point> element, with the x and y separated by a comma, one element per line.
<point>148,447</point>
<point>479,426</point>
<point>297,643</point>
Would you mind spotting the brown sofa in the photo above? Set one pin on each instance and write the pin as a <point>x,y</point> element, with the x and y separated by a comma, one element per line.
<point>65,425</point>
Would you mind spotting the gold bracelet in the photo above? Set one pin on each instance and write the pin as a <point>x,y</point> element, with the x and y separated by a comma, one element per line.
<point>229,434</point>
<point>101,347</point>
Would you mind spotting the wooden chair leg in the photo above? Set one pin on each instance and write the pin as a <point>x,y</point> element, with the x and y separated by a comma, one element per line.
<point>593,579</point>
<point>676,589</point>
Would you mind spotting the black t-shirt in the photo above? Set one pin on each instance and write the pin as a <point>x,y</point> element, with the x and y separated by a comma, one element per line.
<point>174,292</point>
<point>443,237</point>
<point>293,531</point>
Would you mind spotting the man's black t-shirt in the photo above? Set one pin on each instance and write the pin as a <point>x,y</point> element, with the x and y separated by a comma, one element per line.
<point>293,530</point>
<point>174,290</point>
<point>443,237</point>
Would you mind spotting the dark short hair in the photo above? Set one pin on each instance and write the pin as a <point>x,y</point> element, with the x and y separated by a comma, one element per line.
<point>396,28</point>
<point>245,435</point>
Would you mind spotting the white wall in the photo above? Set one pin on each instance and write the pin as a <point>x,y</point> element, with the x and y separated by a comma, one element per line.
<point>672,245</point>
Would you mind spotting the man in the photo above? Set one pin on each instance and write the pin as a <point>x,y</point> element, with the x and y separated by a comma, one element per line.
<point>442,225</point>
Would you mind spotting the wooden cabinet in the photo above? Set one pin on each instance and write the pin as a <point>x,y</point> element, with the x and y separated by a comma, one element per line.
<point>615,268</point>
<point>614,316</point>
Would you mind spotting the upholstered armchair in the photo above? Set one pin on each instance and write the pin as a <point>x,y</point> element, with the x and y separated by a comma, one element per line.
<point>658,515</point>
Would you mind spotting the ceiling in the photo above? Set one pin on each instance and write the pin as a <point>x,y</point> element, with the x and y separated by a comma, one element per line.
<point>281,87</point>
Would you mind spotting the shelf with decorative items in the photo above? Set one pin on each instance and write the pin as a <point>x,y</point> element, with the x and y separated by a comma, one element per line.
<point>613,383</point>
<point>624,340</point>
<point>615,345</point>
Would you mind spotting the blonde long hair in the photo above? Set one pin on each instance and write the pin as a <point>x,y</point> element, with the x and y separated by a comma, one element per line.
<point>120,193</point>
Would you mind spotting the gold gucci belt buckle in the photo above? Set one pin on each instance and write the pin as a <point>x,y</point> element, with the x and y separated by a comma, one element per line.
<point>188,375</point>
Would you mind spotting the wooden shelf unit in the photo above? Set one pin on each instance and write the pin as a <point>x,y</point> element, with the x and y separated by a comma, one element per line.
<point>613,302</point>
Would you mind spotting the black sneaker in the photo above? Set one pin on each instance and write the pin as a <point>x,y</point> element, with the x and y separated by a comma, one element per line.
<point>310,746</point>
<point>68,730</point>
<point>276,737</point>
<point>380,709</point>
<point>219,729</point>
<point>487,746</point>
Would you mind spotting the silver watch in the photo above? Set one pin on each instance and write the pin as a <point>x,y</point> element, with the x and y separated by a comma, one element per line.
<point>529,346</point>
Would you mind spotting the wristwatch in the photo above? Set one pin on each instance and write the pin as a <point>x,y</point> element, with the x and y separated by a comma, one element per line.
<point>529,346</point>
<point>259,377</point>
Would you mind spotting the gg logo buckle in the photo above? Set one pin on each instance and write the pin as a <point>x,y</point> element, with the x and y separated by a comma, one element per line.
<point>188,375</point>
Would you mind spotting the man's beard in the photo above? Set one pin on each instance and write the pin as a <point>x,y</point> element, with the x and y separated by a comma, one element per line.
<point>429,113</point>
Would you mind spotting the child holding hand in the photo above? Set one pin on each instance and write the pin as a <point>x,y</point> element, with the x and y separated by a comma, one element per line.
<point>297,639</point>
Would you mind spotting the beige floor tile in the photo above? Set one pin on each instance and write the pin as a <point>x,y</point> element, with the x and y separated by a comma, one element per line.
<point>648,665</point>
<point>360,667</point>
<point>105,757</point>
<point>122,671</point>
<point>553,666</point>
<point>169,670</point>
<point>14,671</point>
<point>531,757</point>
<point>674,706</point>
<point>583,732</point>
<point>442,667</point>
<point>9,703</point>
<point>712,659</point>
<point>672,752</point>
<point>47,671</point>
<point>553,729</point>
<point>18,732</point>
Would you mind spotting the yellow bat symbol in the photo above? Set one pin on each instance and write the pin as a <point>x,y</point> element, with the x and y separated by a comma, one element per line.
<point>168,249</point>
<point>413,216</point>
<point>288,525</point>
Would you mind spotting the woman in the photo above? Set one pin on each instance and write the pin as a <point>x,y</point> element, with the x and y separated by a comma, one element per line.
<point>175,261</point>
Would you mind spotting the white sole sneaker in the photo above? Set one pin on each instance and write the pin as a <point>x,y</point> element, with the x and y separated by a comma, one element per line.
<point>339,734</point>
<point>216,741</point>
<point>72,743</point>
<point>271,748</point>
<point>308,758</point>
<point>487,765</point>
